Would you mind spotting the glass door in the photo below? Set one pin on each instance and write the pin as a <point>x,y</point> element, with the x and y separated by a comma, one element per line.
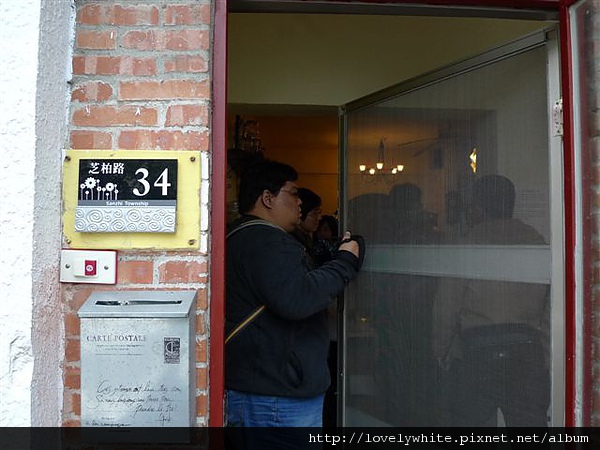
<point>454,180</point>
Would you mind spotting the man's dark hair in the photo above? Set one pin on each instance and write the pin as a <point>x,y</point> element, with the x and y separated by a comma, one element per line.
<point>310,201</point>
<point>264,175</point>
<point>494,195</point>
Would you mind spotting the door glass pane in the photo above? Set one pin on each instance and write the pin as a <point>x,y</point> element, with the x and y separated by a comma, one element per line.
<point>448,322</point>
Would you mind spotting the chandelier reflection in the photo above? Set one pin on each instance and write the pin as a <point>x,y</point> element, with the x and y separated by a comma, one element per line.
<point>381,172</point>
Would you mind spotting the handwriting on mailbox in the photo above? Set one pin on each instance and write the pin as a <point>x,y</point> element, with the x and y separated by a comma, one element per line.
<point>144,402</point>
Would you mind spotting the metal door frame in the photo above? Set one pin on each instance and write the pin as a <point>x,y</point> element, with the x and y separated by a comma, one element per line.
<point>546,38</point>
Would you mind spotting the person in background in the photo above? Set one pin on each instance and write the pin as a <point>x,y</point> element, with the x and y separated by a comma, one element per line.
<point>327,229</point>
<point>325,239</point>
<point>321,251</point>
<point>276,370</point>
<point>310,216</point>
<point>412,224</point>
<point>325,242</point>
<point>491,337</point>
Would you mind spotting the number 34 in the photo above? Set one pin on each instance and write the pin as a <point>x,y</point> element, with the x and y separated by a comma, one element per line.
<point>161,182</point>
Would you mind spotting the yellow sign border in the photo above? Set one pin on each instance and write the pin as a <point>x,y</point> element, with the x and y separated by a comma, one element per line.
<point>187,227</point>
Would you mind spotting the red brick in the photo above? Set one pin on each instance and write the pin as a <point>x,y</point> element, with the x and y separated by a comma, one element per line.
<point>72,350</point>
<point>71,325</point>
<point>165,140</point>
<point>188,15</point>
<point>182,272</point>
<point>183,115</point>
<point>72,403</point>
<point>135,272</point>
<point>200,326</point>
<point>73,378</point>
<point>96,14</point>
<point>201,351</point>
<point>186,64</point>
<point>137,15</point>
<point>91,140</point>
<point>126,66</point>
<point>79,65</point>
<point>93,91</point>
<point>93,14</point>
<point>77,404</point>
<point>153,40</point>
<point>202,379</point>
<point>114,65</point>
<point>96,40</point>
<point>103,116</point>
<point>202,300</point>
<point>202,406</point>
<point>166,89</point>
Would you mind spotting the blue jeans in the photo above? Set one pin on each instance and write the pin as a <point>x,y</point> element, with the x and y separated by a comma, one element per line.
<point>284,416</point>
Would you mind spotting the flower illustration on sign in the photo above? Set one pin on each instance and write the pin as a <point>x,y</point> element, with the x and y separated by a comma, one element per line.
<point>90,183</point>
<point>87,188</point>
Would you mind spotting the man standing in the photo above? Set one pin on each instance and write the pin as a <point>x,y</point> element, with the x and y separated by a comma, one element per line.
<point>277,338</point>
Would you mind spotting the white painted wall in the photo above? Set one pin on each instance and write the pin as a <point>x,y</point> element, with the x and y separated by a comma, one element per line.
<point>18,69</point>
<point>34,37</point>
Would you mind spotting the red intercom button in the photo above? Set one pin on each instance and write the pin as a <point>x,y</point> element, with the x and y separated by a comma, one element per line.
<point>90,268</point>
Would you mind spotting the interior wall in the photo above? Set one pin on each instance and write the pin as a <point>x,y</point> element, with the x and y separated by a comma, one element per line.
<point>310,145</point>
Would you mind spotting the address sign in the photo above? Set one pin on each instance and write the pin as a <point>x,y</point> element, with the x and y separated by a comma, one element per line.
<point>127,196</point>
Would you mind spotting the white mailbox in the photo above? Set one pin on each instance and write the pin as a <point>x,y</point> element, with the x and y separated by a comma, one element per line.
<point>138,359</point>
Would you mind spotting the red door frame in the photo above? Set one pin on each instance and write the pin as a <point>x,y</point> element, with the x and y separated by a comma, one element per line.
<point>216,371</point>
<point>219,167</point>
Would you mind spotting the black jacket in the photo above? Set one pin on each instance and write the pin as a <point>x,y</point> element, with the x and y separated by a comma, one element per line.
<point>283,352</point>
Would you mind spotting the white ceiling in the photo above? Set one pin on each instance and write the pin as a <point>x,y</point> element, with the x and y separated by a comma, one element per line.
<point>332,59</point>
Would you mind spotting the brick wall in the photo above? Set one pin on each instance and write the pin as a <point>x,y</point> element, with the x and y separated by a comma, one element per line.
<point>141,81</point>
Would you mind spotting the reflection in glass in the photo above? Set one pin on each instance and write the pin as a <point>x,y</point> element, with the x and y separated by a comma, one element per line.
<point>455,287</point>
<point>491,338</point>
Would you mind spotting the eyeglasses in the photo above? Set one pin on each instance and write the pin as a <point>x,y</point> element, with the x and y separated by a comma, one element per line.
<point>293,193</point>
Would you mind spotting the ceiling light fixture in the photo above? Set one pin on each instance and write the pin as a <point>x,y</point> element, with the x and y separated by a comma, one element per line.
<point>380,172</point>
